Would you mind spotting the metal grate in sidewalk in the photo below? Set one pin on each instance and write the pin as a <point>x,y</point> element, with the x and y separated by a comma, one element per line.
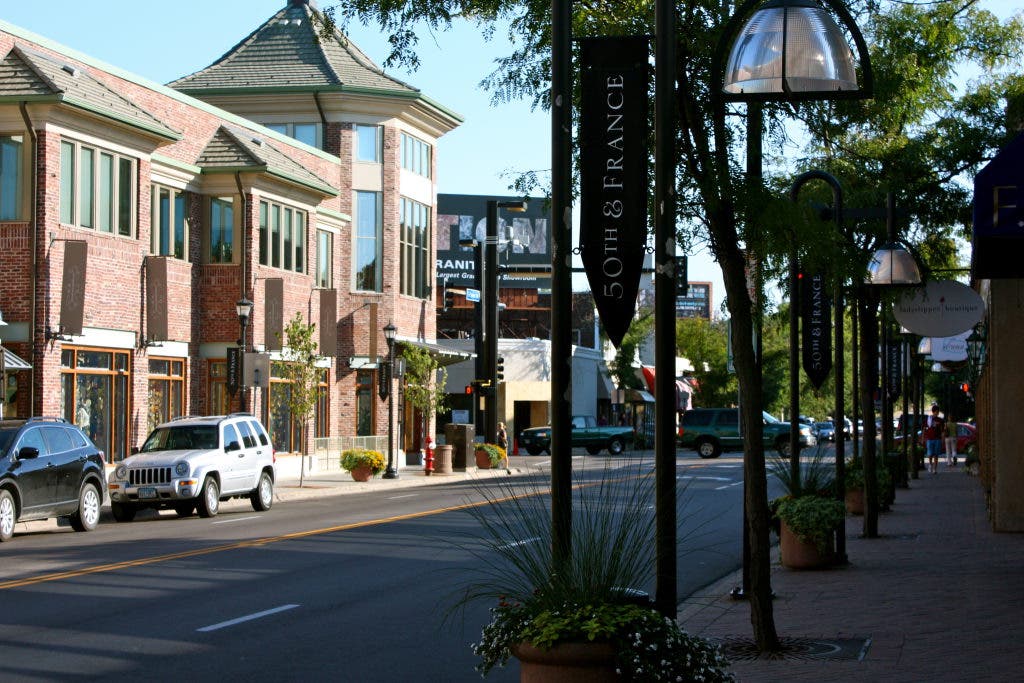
<point>809,649</point>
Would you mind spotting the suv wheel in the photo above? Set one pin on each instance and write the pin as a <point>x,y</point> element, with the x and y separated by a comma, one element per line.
<point>593,450</point>
<point>209,498</point>
<point>533,450</point>
<point>262,496</point>
<point>616,446</point>
<point>87,516</point>
<point>122,512</point>
<point>782,446</point>
<point>708,448</point>
<point>8,515</point>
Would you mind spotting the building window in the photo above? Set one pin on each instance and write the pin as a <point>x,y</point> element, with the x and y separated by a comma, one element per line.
<point>368,143</point>
<point>169,221</point>
<point>285,430</point>
<point>415,237</point>
<point>166,390</point>
<point>369,236</point>
<point>98,189</point>
<point>415,155</point>
<point>322,418</point>
<point>364,402</point>
<point>10,177</point>
<point>308,133</point>
<point>282,237</point>
<point>220,400</point>
<point>222,230</point>
<point>324,259</point>
<point>94,395</point>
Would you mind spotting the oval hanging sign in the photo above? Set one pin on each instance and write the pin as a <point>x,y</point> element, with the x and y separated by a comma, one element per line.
<point>941,308</point>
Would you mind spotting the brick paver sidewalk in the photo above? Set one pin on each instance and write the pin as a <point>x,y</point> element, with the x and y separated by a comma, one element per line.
<point>937,597</point>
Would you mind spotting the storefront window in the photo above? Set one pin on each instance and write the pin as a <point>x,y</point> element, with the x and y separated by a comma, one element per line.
<point>220,401</point>
<point>94,396</point>
<point>166,389</point>
<point>364,403</point>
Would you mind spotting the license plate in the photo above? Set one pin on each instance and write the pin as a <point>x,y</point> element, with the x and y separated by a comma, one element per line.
<point>147,492</point>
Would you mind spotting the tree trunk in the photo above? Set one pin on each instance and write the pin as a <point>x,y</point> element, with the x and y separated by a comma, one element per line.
<point>762,617</point>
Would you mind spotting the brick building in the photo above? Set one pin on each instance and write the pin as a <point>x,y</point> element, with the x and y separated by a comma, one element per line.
<point>292,173</point>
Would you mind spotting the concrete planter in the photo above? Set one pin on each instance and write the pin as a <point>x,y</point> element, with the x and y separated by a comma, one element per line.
<point>799,555</point>
<point>567,663</point>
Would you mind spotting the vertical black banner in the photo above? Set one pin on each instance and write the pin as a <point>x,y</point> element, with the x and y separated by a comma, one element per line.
<point>816,324</point>
<point>234,374</point>
<point>613,172</point>
<point>895,368</point>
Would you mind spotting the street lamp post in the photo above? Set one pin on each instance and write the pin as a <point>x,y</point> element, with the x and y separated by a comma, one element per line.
<point>491,308</point>
<point>243,307</point>
<point>479,317</point>
<point>389,335</point>
<point>787,50</point>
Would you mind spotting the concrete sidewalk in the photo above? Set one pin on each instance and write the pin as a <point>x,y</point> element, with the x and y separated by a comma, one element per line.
<point>937,597</point>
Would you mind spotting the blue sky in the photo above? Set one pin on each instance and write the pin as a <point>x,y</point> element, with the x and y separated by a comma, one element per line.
<point>162,41</point>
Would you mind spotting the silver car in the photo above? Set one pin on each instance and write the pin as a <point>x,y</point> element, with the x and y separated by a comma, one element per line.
<point>193,463</point>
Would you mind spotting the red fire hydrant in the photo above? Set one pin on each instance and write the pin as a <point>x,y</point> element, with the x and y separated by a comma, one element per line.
<point>429,460</point>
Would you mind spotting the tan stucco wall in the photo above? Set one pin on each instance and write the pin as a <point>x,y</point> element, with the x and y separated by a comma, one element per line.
<point>1006,374</point>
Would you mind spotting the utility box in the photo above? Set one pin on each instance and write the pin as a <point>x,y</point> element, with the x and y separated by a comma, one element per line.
<point>460,438</point>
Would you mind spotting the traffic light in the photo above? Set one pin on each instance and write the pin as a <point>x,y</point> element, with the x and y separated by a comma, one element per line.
<point>499,369</point>
<point>682,276</point>
<point>965,387</point>
<point>469,389</point>
<point>449,298</point>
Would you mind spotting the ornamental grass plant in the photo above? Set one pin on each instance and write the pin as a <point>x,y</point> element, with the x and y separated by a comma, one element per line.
<point>593,595</point>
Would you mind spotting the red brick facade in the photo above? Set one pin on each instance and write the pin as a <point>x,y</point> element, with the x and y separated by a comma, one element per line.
<point>201,296</point>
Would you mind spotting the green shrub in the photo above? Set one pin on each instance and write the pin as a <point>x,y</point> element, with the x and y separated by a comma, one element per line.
<point>854,478</point>
<point>812,519</point>
<point>354,458</point>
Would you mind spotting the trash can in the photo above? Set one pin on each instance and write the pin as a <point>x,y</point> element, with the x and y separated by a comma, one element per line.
<point>443,460</point>
<point>460,438</point>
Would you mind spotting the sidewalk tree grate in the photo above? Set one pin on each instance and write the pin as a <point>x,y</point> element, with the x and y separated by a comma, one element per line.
<point>808,649</point>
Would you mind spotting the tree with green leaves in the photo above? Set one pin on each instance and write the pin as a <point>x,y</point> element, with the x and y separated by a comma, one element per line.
<point>425,382</point>
<point>298,367</point>
<point>916,138</point>
<point>705,344</point>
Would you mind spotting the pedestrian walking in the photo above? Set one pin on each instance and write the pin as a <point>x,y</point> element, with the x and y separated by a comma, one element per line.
<point>949,437</point>
<point>933,434</point>
<point>502,439</point>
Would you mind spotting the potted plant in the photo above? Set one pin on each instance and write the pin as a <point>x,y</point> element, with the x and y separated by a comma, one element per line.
<point>854,481</point>
<point>574,616</point>
<point>808,524</point>
<point>488,455</point>
<point>362,463</point>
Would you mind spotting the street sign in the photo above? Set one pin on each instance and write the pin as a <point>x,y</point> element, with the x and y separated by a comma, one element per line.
<point>472,294</point>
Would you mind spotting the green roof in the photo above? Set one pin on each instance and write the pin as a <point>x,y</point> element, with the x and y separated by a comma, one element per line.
<point>29,75</point>
<point>287,53</point>
<point>232,149</point>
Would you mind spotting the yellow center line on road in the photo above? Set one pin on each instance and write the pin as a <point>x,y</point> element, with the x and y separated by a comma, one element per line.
<point>257,542</point>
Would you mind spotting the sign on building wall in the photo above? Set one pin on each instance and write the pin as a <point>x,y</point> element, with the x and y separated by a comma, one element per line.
<point>999,214</point>
<point>524,241</point>
<point>72,296</point>
<point>696,303</point>
<point>273,311</point>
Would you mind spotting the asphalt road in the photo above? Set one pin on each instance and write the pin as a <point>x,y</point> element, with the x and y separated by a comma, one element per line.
<point>345,588</point>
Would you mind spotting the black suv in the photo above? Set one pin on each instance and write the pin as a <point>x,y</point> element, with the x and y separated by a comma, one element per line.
<point>48,468</point>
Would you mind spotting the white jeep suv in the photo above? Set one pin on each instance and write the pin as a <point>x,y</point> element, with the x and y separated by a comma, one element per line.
<point>193,463</point>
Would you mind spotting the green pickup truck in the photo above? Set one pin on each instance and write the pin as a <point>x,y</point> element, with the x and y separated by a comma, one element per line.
<point>586,433</point>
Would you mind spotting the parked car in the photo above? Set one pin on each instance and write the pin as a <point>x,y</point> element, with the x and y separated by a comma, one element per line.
<point>711,430</point>
<point>585,432</point>
<point>48,468</point>
<point>194,463</point>
<point>966,435</point>
<point>825,431</point>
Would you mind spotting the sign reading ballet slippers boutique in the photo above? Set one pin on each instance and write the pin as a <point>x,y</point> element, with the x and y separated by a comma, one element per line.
<point>941,308</point>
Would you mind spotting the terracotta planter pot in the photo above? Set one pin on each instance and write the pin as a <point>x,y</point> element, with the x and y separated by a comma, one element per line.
<point>567,663</point>
<point>799,555</point>
<point>362,473</point>
<point>483,461</point>
<point>855,502</point>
